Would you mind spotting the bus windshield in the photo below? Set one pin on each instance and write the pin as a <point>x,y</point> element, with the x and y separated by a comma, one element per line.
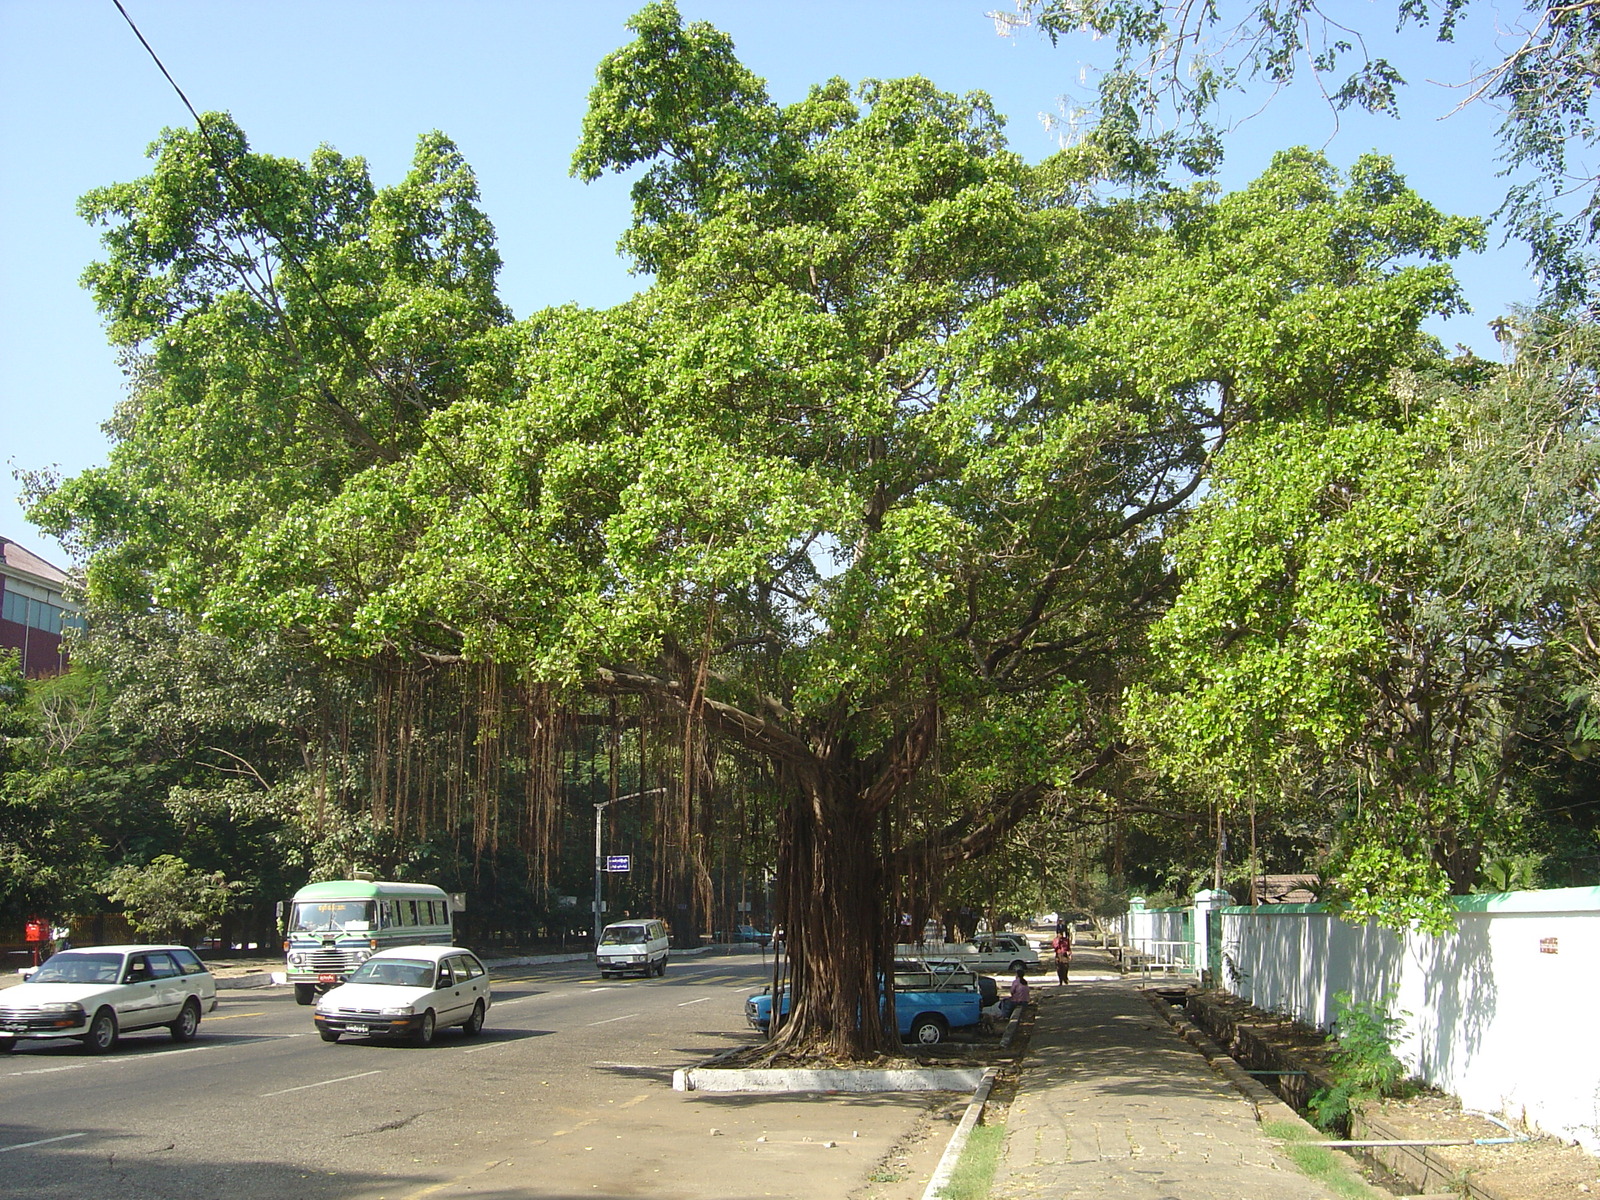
<point>330,916</point>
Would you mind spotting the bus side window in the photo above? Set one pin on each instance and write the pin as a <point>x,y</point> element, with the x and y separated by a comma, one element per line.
<point>408,909</point>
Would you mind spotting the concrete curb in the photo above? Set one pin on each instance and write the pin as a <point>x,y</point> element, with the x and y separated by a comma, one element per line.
<point>256,979</point>
<point>1267,1104</point>
<point>958,1140</point>
<point>774,1080</point>
<point>1013,1026</point>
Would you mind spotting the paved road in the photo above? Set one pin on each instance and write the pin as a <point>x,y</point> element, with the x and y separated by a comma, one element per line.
<point>566,1093</point>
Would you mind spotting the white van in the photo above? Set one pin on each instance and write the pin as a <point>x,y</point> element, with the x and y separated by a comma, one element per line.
<point>632,946</point>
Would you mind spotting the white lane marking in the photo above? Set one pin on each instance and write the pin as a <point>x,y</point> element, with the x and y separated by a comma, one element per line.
<point>65,1137</point>
<point>50,1070</point>
<point>306,1086</point>
<point>126,1062</point>
<point>702,1000</point>
<point>609,1020</point>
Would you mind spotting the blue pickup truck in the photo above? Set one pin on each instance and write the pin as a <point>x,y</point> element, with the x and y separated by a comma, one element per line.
<point>928,1002</point>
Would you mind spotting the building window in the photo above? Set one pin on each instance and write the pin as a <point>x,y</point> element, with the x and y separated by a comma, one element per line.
<point>35,614</point>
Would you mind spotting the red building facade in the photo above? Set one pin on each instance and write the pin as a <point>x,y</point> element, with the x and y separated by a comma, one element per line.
<point>34,610</point>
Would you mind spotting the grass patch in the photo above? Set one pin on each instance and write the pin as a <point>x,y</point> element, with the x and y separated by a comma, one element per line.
<point>1318,1162</point>
<point>974,1174</point>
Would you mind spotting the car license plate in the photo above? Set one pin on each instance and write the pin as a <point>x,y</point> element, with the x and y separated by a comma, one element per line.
<point>325,978</point>
<point>355,1029</point>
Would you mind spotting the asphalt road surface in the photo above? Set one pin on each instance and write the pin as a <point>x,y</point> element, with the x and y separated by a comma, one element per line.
<point>566,1093</point>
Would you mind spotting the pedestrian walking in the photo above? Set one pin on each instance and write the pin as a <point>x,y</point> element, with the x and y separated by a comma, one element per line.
<point>1062,945</point>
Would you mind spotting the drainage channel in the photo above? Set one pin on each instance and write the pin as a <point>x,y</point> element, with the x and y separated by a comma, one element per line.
<point>1399,1165</point>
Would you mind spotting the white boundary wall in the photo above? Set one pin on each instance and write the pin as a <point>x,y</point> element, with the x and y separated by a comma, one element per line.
<point>1499,1007</point>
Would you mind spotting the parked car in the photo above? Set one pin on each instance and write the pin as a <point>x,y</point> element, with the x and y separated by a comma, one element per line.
<point>409,992</point>
<point>929,1001</point>
<point>743,935</point>
<point>98,993</point>
<point>999,952</point>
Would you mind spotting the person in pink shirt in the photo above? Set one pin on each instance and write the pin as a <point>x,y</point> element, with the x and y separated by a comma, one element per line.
<point>1017,997</point>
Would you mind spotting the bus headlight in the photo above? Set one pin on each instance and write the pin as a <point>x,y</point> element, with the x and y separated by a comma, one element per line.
<point>296,958</point>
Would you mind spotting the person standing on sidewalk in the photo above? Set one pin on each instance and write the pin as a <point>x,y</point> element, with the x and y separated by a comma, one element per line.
<point>1063,950</point>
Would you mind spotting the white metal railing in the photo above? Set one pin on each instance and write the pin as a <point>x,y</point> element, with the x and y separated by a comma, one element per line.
<point>1163,954</point>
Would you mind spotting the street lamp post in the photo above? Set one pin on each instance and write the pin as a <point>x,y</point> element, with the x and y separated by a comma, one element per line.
<point>599,859</point>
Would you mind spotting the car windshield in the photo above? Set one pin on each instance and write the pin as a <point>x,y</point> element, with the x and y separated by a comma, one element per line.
<point>622,935</point>
<point>73,966</point>
<point>330,916</point>
<point>396,972</point>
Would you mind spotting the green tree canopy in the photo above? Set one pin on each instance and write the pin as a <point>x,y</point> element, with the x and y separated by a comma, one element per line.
<point>876,472</point>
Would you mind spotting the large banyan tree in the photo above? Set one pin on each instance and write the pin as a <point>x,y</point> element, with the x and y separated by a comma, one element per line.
<point>870,483</point>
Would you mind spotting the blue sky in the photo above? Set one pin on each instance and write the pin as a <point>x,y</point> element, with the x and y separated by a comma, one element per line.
<point>80,101</point>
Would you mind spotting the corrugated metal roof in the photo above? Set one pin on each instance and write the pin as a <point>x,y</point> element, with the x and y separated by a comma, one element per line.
<point>17,557</point>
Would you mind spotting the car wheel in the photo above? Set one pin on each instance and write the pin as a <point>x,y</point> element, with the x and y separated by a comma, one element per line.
<point>328,1035</point>
<point>1018,968</point>
<point>102,1033</point>
<point>424,1033</point>
<point>661,968</point>
<point>305,993</point>
<point>605,974</point>
<point>928,1030</point>
<point>188,1022</point>
<point>473,1025</point>
<point>7,1045</point>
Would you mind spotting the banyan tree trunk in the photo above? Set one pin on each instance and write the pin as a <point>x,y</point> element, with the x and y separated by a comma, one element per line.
<point>831,897</point>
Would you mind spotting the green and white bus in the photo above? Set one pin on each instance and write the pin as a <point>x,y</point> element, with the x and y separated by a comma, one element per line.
<point>334,927</point>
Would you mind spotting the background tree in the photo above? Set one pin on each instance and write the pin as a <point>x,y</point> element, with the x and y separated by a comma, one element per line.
<point>168,901</point>
<point>1186,59</point>
<point>1394,596</point>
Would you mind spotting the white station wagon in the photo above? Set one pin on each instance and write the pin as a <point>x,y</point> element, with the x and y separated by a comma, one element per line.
<point>410,991</point>
<point>98,993</point>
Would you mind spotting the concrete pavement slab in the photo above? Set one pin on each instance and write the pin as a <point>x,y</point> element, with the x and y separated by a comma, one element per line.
<point>1112,1104</point>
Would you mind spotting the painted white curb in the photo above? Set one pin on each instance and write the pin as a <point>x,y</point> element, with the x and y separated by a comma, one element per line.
<point>731,1079</point>
<point>958,1140</point>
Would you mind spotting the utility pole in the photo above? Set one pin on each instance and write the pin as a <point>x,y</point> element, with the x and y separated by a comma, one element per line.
<point>599,858</point>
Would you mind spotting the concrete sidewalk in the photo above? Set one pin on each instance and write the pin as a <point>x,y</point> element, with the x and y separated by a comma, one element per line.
<point>1113,1104</point>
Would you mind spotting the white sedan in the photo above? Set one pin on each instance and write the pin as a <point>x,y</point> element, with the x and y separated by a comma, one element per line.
<point>410,991</point>
<point>98,993</point>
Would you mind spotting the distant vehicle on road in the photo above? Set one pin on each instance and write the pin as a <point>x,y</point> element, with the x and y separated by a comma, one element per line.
<point>743,934</point>
<point>640,946</point>
<point>408,992</point>
<point>98,993</point>
<point>336,926</point>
